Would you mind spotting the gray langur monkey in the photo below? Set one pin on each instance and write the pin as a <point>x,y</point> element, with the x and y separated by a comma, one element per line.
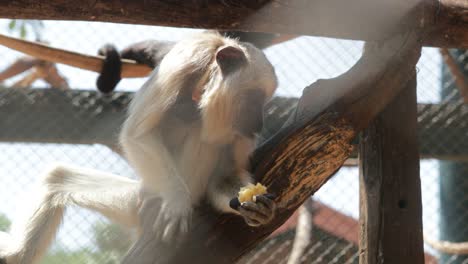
<point>188,135</point>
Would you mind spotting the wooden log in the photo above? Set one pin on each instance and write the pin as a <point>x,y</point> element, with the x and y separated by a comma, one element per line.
<point>390,188</point>
<point>445,21</point>
<point>298,160</point>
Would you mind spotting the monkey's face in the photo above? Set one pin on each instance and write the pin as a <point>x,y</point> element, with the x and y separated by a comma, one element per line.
<point>241,81</point>
<point>248,119</point>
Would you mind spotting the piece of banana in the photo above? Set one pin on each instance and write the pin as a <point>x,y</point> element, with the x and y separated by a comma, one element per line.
<point>247,193</point>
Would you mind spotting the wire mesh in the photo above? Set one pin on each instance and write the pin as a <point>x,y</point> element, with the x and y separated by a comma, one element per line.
<point>42,127</point>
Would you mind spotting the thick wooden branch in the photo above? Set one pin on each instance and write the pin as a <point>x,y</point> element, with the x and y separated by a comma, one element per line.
<point>446,21</point>
<point>296,162</point>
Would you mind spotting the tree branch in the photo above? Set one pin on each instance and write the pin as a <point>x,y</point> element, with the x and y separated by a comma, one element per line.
<point>444,20</point>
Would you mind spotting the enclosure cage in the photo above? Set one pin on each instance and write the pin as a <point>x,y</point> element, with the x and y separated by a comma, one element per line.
<point>41,125</point>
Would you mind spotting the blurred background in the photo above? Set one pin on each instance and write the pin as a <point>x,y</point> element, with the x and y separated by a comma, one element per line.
<point>71,125</point>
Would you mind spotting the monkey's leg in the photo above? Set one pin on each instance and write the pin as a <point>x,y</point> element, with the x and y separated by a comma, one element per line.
<point>113,196</point>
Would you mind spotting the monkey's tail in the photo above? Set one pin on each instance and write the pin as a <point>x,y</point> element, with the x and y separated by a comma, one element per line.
<point>111,69</point>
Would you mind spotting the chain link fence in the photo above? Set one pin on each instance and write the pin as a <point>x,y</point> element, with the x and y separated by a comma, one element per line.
<point>43,126</point>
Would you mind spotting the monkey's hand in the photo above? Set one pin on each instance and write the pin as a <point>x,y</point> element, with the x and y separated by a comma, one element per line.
<point>258,212</point>
<point>170,218</point>
<point>173,219</point>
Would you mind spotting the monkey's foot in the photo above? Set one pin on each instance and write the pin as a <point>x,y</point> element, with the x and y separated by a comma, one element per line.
<point>258,212</point>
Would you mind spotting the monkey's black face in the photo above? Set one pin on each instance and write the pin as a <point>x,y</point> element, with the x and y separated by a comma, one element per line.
<point>249,119</point>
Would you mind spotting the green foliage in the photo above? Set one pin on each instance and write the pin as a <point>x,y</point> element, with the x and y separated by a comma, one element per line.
<point>81,256</point>
<point>111,238</point>
<point>70,257</point>
<point>22,27</point>
<point>112,242</point>
<point>4,222</point>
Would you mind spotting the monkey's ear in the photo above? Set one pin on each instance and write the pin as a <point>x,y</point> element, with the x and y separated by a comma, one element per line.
<point>230,59</point>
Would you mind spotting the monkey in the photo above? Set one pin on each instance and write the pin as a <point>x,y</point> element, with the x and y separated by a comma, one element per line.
<point>188,135</point>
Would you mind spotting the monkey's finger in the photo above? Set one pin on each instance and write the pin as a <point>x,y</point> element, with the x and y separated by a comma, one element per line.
<point>256,207</point>
<point>170,231</point>
<point>265,201</point>
<point>160,223</point>
<point>253,214</point>
<point>158,229</point>
<point>234,203</point>
<point>184,226</point>
<point>263,209</point>
<point>157,221</point>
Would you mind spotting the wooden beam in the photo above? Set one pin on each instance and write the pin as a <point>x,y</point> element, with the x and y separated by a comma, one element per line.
<point>390,188</point>
<point>55,116</point>
<point>444,21</point>
<point>89,117</point>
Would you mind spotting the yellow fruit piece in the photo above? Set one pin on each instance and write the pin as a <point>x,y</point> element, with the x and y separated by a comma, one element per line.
<point>247,193</point>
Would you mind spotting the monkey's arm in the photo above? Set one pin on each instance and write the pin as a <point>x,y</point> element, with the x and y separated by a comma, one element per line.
<point>160,178</point>
<point>143,145</point>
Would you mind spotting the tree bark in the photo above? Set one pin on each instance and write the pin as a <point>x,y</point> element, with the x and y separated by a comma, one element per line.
<point>390,188</point>
<point>299,159</point>
<point>445,21</point>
